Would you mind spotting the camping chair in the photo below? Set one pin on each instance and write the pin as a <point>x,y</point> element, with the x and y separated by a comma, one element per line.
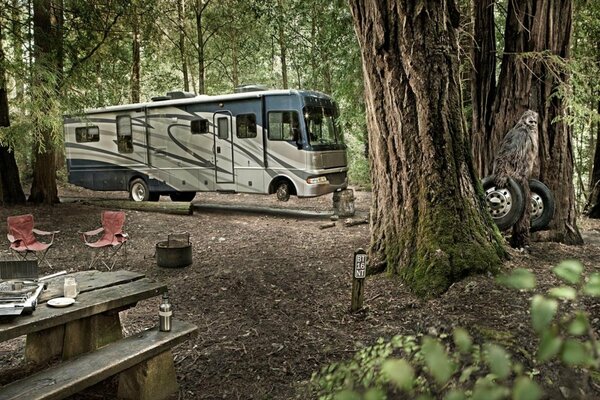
<point>21,235</point>
<point>112,240</point>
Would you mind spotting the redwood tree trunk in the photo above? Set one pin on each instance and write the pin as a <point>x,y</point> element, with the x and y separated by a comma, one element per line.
<point>593,206</point>
<point>181,25</point>
<point>533,27</point>
<point>47,20</point>
<point>135,64</point>
<point>10,184</point>
<point>200,7</point>
<point>483,84</point>
<point>429,223</point>
<point>282,48</point>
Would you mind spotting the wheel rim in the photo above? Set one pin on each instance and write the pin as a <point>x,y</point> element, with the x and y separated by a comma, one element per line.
<point>283,192</point>
<point>499,202</point>
<point>537,206</point>
<point>138,192</point>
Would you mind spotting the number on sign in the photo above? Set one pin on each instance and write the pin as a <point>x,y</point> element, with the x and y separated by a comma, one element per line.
<point>360,266</point>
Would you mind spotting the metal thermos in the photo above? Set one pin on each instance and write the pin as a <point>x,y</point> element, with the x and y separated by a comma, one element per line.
<point>165,313</point>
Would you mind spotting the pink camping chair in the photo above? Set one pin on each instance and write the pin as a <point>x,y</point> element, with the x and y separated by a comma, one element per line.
<point>112,240</point>
<point>21,235</point>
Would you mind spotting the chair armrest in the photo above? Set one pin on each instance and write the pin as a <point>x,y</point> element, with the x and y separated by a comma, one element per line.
<point>92,233</point>
<point>95,232</point>
<point>38,232</point>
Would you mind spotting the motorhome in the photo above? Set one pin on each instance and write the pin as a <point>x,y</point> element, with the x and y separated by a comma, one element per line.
<point>283,142</point>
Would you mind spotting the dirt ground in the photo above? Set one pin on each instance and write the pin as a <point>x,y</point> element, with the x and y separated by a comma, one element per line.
<point>270,295</point>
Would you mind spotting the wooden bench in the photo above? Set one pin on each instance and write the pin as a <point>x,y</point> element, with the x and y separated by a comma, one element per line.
<point>141,359</point>
<point>88,336</point>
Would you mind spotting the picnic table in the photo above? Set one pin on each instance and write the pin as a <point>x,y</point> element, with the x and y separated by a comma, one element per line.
<point>88,337</point>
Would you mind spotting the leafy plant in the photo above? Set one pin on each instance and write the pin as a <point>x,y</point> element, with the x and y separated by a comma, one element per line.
<point>456,367</point>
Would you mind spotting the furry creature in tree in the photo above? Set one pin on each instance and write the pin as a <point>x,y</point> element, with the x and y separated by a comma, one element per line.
<point>515,160</point>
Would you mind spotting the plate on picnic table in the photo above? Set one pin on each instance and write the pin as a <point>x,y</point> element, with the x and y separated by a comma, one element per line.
<point>61,302</point>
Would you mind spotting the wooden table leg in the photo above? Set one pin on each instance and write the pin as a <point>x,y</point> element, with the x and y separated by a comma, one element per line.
<point>153,379</point>
<point>90,333</point>
<point>42,346</point>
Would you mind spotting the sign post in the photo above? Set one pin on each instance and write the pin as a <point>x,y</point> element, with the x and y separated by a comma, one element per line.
<point>359,273</point>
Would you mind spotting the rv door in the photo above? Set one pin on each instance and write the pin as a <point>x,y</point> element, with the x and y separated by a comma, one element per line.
<point>223,147</point>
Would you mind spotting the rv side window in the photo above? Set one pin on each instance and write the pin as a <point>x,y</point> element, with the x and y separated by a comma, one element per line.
<point>199,126</point>
<point>245,126</point>
<point>284,125</point>
<point>223,127</point>
<point>124,138</point>
<point>85,134</point>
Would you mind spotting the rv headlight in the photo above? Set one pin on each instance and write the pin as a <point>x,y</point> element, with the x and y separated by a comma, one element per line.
<point>318,179</point>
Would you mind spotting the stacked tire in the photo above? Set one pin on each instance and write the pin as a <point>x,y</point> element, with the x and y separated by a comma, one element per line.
<point>506,205</point>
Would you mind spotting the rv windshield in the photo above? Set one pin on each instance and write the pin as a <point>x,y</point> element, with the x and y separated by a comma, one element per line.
<point>321,126</point>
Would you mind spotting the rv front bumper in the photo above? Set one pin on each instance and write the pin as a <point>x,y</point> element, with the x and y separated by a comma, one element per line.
<point>325,183</point>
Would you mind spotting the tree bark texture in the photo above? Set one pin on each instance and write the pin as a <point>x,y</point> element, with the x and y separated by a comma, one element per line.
<point>483,84</point>
<point>593,206</point>
<point>10,184</point>
<point>529,80</point>
<point>282,44</point>
<point>181,25</point>
<point>429,222</point>
<point>135,57</point>
<point>47,36</point>
<point>200,7</point>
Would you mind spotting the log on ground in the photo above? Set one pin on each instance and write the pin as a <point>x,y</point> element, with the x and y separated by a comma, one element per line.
<point>167,207</point>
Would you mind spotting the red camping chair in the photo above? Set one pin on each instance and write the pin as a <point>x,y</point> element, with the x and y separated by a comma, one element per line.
<point>21,235</point>
<point>112,240</point>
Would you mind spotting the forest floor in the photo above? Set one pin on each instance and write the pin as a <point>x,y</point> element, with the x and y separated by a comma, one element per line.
<point>270,295</point>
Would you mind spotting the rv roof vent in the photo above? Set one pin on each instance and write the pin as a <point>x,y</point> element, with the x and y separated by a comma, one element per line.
<point>249,88</point>
<point>161,98</point>
<point>180,95</point>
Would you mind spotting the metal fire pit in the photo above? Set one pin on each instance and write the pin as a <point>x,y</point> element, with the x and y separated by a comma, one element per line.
<point>175,252</point>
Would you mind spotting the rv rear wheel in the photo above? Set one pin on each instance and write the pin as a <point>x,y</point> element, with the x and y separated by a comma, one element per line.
<point>283,191</point>
<point>139,191</point>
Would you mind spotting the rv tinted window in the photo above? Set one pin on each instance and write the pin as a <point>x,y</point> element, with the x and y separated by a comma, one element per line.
<point>199,126</point>
<point>284,125</point>
<point>245,126</point>
<point>223,126</point>
<point>85,134</point>
<point>124,138</point>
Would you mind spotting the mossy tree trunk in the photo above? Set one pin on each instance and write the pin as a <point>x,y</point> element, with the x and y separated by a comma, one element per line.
<point>429,224</point>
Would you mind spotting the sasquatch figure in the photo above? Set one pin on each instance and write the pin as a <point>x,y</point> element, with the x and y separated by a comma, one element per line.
<point>515,159</point>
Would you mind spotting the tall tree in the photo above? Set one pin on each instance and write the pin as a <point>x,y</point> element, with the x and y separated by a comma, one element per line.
<point>181,43</point>
<point>429,223</point>
<point>48,55</point>
<point>483,84</point>
<point>10,184</point>
<point>530,78</point>
<point>556,149</point>
<point>593,206</point>
<point>135,51</point>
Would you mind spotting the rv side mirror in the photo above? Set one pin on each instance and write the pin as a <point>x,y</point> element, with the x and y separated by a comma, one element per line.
<point>299,144</point>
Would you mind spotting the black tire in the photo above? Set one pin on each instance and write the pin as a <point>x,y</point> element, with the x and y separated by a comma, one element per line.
<point>283,191</point>
<point>506,205</point>
<point>542,205</point>
<point>138,190</point>
<point>182,196</point>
